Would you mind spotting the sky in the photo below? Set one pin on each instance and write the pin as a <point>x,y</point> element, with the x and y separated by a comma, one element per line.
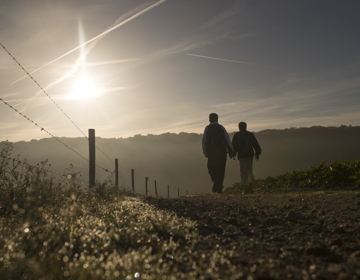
<point>129,67</point>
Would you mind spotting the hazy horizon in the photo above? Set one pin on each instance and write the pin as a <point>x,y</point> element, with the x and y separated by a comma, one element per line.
<point>178,133</point>
<point>177,159</point>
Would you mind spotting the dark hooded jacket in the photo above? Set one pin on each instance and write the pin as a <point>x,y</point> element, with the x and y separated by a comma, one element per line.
<point>244,143</point>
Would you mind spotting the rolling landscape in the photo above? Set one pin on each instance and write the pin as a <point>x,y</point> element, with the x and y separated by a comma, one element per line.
<point>177,160</point>
<point>297,225</point>
<point>104,106</point>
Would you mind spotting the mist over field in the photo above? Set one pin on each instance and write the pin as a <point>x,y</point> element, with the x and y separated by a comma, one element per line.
<point>177,159</point>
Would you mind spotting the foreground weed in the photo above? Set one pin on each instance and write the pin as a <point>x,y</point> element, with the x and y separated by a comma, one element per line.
<point>89,238</point>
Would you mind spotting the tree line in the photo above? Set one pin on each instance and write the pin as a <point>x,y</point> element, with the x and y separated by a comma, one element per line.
<point>177,159</point>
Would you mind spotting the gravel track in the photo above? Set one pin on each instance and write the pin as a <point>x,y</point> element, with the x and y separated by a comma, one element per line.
<point>303,235</point>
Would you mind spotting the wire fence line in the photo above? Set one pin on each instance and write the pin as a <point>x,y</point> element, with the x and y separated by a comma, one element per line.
<point>42,89</point>
<point>130,183</point>
<point>57,105</point>
<point>46,131</point>
<point>43,129</point>
<point>31,77</point>
<point>67,146</point>
<point>50,134</point>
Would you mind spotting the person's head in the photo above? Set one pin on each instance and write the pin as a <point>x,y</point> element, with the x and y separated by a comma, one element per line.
<point>242,126</point>
<point>213,117</point>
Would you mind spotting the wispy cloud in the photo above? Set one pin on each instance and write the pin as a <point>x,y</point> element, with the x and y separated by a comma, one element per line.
<point>122,22</point>
<point>301,105</point>
<point>80,61</point>
<point>227,60</point>
<point>110,62</point>
<point>223,16</point>
<point>189,44</point>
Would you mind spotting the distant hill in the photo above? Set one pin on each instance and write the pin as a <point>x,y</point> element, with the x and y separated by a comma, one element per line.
<point>177,159</point>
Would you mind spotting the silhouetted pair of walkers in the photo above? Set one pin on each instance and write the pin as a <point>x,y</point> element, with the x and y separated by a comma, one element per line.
<point>216,145</point>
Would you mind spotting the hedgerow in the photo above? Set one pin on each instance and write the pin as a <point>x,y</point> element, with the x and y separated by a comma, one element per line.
<point>340,174</point>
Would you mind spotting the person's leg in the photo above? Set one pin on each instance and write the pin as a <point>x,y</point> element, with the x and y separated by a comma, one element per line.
<point>216,167</point>
<point>221,176</point>
<point>251,177</point>
<point>217,181</point>
<point>211,170</point>
<point>243,171</point>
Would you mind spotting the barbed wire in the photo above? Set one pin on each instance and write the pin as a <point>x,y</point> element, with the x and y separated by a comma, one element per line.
<point>31,77</point>
<point>104,154</point>
<point>43,129</point>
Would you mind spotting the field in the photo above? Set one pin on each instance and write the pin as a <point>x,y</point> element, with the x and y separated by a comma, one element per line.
<point>304,235</point>
<point>296,226</point>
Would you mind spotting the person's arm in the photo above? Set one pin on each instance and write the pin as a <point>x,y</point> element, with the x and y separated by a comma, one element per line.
<point>204,140</point>
<point>256,146</point>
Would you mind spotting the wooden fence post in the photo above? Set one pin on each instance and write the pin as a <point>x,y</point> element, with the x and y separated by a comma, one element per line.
<point>116,173</point>
<point>91,157</point>
<point>155,188</point>
<point>146,188</point>
<point>168,191</point>
<point>132,180</point>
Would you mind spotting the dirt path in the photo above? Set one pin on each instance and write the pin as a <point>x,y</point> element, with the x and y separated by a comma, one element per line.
<point>307,235</point>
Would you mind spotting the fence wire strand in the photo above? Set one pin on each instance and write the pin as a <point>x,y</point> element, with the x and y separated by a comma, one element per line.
<point>43,129</point>
<point>31,77</point>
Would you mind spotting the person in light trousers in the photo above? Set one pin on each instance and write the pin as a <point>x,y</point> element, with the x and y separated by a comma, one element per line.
<point>244,144</point>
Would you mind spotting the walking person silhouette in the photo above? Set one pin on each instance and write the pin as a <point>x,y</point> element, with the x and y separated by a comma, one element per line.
<point>216,144</point>
<point>244,143</point>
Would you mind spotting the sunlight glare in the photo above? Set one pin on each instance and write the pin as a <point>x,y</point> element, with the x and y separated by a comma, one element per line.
<point>84,88</point>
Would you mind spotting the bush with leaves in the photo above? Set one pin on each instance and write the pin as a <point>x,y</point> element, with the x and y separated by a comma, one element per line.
<point>337,175</point>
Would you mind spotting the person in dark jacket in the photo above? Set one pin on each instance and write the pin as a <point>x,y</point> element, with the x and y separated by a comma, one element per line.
<point>216,144</point>
<point>244,143</point>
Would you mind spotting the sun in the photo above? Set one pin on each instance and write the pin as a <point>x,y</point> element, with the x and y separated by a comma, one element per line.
<point>84,88</point>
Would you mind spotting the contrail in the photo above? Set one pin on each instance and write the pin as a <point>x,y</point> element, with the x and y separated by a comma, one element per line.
<point>109,62</point>
<point>98,36</point>
<point>229,60</point>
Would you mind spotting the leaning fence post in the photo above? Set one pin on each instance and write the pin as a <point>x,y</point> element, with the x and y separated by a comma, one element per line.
<point>155,188</point>
<point>91,157</point>
<point>146,188</point>
<point>132,180</point>
<point>116,173</point>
